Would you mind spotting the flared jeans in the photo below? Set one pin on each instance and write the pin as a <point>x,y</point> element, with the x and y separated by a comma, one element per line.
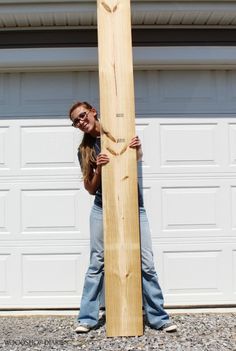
<point>94,278</point>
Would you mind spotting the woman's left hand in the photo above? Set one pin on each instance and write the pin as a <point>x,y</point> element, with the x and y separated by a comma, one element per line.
<point>135,143</point>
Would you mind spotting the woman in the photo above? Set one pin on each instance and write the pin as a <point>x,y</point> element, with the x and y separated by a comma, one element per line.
<point>84,117</point>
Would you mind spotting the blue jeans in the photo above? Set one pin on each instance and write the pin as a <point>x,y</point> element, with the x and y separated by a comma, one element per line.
<point>93,284</point>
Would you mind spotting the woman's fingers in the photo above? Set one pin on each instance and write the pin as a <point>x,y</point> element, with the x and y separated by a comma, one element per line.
<point>102,159</point>
<point>135,142</point>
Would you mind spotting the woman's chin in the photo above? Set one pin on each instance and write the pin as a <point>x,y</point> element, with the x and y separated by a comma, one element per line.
<point>86,129</point>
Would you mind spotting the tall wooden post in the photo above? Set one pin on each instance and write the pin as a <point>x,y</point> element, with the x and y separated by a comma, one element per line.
<point>123,291</point>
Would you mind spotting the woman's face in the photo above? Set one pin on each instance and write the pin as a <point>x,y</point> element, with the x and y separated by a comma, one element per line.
<point>84,119</point>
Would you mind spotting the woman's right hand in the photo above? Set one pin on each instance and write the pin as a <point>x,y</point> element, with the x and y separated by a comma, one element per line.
<point>102,160</point>
<point>94,182</point>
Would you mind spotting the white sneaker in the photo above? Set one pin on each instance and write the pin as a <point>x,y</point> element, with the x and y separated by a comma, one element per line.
<point>83,328</point>
<point>169,327</point>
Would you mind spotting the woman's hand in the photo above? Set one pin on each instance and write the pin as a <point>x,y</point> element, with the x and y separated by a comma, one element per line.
<point>95,179</point>
<point>102,160</point>
<point>135,143</point>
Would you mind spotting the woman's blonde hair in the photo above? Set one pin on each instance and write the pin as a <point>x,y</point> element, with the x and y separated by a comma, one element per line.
<point>86,148</point>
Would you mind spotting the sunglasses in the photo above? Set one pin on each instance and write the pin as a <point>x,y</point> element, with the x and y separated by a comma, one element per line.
<point>81,116</point>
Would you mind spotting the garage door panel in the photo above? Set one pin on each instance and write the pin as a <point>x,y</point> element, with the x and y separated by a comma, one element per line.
<point>4,212</point>
<point>190,276</point>
<point>232,145</point>
<point>5,161</point>
<point>234,273</point>
<point>191,208</point>
<point>233,209</point>
<point>189,145</point>
<point>192,272</point>
<point>39,147</point>
<point>188,209</point>
<point>4,273</point>
<point>45,276</point>
<point>9,211</point>
<point>49,210</point>
<point>194,146</point>
<point>51,273</point>
<point>185,146</point>
<point>3,139</point>
<point>150,190</point>
<point>44,211</point>
<point>147,130</point>
<point>48,147</point>
<point>9,283</point>
<point>53,211</point>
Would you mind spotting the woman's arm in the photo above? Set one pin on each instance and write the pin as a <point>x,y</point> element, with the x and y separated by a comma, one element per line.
<point>136,144</point>
<point>94,181</point>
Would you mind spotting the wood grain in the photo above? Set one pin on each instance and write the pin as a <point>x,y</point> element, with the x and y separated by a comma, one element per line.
<point>123,289</point>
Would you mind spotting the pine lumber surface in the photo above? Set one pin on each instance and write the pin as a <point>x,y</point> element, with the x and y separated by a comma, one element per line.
<point>123,290</point>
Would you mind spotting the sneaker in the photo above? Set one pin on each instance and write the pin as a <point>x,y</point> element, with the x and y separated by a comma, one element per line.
<point>83,328</point>
<point>169,327</point>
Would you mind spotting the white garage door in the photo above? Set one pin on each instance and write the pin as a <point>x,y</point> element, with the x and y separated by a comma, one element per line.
<point>186,121</point>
